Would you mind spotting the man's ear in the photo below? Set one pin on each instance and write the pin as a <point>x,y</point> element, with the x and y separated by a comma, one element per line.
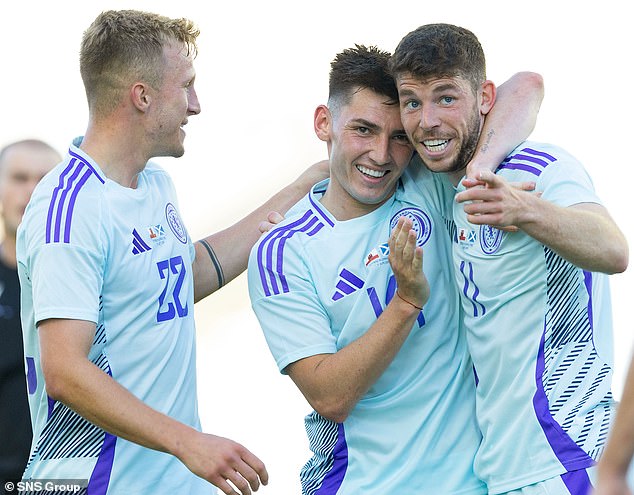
<point>323,122</point>
<point>488,92</point>
<point>140,96</point>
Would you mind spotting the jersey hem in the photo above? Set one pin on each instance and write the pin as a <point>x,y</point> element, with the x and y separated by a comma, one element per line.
<point>65,314</point>
<point>524,481</point>
<point>291,358</point>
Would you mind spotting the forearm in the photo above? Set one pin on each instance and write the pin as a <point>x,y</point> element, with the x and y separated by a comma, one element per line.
<point>71,378</point>
<point>97,397</point>
<point>583,234</point>
<point>226,253</point>
<point>510,121</point>
<point>619,450</point>
<point>334,383</point>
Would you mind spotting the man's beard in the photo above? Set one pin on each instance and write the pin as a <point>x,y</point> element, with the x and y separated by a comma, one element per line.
<point>468,148</point>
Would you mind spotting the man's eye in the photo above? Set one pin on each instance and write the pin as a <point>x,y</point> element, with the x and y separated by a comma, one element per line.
<point>412,105</point>
<point>447,100</point>
<point>363,130</point>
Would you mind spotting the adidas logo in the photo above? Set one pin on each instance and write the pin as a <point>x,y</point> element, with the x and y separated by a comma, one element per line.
<point>348,283</point>
<point>139,244</point>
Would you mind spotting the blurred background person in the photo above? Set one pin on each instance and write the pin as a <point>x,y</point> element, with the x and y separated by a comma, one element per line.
<point>22,165</point>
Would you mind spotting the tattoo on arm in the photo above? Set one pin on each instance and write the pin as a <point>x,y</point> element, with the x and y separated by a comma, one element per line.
<point>214,262</point>
<point>484,148</point>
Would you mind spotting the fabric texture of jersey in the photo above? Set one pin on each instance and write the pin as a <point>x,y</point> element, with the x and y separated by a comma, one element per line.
<point>90,249</point>
<point>15,424</point>
<point>539,331</point>
<point>317,284</point>
<point>570,483</point>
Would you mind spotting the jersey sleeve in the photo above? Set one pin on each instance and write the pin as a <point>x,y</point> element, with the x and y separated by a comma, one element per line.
<point>565,182</point>
<point>66,271</point>
<point>66,283</point>
<point>294,322</point>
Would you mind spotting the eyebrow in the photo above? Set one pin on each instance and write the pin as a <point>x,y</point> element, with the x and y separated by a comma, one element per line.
<point>446,87</point>
<point>438,89</point>
<point>373,127</point>
<point>365,123</point>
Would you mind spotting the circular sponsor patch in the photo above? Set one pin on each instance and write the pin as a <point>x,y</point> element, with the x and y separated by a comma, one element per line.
<point>490,239</point>
<point>174,221</point>
<point>421,223</point>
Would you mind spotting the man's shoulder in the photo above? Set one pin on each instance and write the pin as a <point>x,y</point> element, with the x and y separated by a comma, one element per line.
<point>300,221</point>
<point>538,160</point>
<point>537,152</point>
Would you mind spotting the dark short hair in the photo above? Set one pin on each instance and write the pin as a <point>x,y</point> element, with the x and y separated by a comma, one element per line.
<point>361,67</point>
<point>440,50</point>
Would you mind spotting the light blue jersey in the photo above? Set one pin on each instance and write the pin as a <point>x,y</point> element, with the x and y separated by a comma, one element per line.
<point>316,285</point>
<point>539,332</point>
<point>90,249</point>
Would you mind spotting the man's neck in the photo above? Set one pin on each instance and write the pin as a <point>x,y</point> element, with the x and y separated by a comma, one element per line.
<point>120,156</point>
<point>347,210</point>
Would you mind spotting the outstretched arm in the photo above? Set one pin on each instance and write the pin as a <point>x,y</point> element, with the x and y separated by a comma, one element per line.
<point>223,256</point>
<point>334,383</point>
<point>510,121</point>
<point>584,234</point>
<point>71,378</point>
<point>619,451</point>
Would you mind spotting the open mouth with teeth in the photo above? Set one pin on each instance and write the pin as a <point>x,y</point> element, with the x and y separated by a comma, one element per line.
<point>377,174</point>
<point>436,145</point>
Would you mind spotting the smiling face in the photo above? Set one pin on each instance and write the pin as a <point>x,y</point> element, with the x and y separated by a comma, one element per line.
<point>443,118</point>
<point>174,102</point>
<point>368,152</point>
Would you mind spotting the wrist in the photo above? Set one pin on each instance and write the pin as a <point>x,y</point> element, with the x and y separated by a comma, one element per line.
<point>179,438</point>
<point>407,301</point>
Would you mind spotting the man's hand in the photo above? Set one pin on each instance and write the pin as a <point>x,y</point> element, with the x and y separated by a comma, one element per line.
<point>220,461</point>
<point>272,219</point>
<point>406,260</point>
<point>491,200</point>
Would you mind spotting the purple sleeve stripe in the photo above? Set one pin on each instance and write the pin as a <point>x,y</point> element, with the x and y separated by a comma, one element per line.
<point>522,166</point>
<point>62,202</point>
<point>62,205</point>
<point>317,228</point>
<point>81,159</point>
<point>540,153</point>
<point>537,161</point>
<point>53,203</point>
<point>71,205</point>
<point>531,159</point>
<point>270,253</point>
